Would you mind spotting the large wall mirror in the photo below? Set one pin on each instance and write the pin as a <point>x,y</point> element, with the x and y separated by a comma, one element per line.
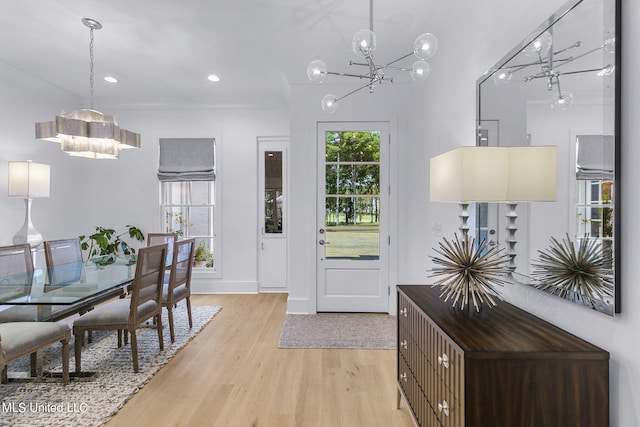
<point>561,87</point>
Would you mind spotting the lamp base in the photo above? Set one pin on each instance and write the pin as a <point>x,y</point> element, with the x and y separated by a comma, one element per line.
<point>28,233</point>
<point>511,241</point>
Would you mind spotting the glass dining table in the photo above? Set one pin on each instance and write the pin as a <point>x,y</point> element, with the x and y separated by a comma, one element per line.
<point>67,289</point>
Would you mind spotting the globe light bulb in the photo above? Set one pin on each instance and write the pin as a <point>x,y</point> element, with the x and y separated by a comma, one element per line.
<point>419,71</point>
<point>562,101</point>
<point>329,103</point>
<point>425,46</point>
<point>502,76</point>
<point>536,46</point>
<point>317,71</point>
<point>364,43</point>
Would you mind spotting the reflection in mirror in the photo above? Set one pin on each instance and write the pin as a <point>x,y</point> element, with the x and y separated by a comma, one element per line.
<point>273,196</point>
<point>560,87</point>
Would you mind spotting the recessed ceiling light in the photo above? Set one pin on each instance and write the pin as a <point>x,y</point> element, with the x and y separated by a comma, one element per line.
<point>111,79</point>
<point>213,78</point>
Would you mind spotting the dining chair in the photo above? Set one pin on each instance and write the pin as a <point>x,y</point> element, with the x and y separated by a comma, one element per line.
<point>178,287</point>
<point>16,270</point>
<point>18,339</point>
<point>64,266</point>
<point>64,261</point>
<point>161,238</point>
<point>16,278</point>
<point>145,302</point>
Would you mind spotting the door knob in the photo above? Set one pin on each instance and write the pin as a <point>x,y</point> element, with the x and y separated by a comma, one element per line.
<point>321,241</point>
<point>321,231</point>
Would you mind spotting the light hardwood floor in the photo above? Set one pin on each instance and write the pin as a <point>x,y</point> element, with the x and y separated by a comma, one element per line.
<point>233,374</point>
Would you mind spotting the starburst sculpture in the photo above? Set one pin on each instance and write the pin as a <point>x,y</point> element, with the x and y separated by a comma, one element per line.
<point>566,271</point>
<point>470,273</point>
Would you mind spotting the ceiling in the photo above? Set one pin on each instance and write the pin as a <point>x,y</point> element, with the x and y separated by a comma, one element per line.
<point>162,51</point>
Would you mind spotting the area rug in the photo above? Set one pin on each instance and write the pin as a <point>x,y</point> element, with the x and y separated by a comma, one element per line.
<point>339,330</point>
<point>92,403</point>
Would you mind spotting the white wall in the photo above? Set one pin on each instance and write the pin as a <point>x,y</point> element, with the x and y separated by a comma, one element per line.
<point>440,115</point>
<point>491,29</point>
<point>24,101</point>
<point>133,191</point>
<point>86,193</point>
<point>430,118</point>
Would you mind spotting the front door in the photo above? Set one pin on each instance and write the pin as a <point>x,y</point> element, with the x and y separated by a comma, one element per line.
<point>352,236</point>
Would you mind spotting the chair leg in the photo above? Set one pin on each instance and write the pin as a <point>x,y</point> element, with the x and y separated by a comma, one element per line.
<point>33,357</point>
<point>78,350</point>
<point>119,338</point>
<point>5,376</point>
<point>170,317</point>
<point>189,312</point>
<point>134,350</point>
<point>65,360</point>
<point>160,337</point>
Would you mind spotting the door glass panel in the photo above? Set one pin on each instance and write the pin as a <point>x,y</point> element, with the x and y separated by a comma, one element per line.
<point>353,244</point>
<point>352,195</point>
<point>273,195</point>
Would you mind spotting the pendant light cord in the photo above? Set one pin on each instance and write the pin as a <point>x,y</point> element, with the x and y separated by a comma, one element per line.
<point>91,66</point>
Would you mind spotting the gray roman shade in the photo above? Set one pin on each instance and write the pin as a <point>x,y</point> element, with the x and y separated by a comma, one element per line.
<point>594,159</point>
<point>187,159</point>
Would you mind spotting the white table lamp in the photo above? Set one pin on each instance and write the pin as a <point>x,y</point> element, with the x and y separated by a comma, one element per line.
<point>468,174</point>
<point>28,180</point>
<point>495,174</point>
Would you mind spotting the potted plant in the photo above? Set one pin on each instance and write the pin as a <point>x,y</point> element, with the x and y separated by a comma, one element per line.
<point>105,244</point>
<point>202,256</point>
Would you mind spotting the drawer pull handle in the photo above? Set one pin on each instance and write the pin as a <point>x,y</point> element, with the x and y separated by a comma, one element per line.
<point>443,360</point>
<point>404,344</point>
<point>444,407</point>
<point>403,377</point>
<point>404,312</point>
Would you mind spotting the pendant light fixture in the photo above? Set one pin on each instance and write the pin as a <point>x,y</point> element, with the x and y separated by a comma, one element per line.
<point>538,51</point>
<point>88,132</point>
<point>363,45</point>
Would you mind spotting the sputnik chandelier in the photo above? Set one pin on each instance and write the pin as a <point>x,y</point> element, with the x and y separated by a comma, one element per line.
<point>540,49</point>
<point>364,45</point>
<point>88,133</point>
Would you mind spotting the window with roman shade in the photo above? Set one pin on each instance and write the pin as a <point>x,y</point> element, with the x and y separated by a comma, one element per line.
<point>189,199</point>
<point>187,159</point>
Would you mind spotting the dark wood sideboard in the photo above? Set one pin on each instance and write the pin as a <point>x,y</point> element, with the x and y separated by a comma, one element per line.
<point>501,367</point>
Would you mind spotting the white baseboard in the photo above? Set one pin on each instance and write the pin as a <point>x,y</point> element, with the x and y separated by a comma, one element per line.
<point>299,306</point>
<point>210,286</point>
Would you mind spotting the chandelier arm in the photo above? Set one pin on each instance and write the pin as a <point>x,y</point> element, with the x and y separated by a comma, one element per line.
<point>546,75</point>
<point>360,88</point>
<point>396,60</point>
<point>592,70</point>
<point>360,76</point>
<point>573,58</point>
<point>518,67</point>
<point>576,44</point>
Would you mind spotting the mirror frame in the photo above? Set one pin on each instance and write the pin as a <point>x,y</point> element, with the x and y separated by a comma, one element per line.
<point>548,23</point>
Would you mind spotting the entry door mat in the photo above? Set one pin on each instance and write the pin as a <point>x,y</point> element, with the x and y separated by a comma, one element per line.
<point>94,402</point>
<point>339,330</point>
